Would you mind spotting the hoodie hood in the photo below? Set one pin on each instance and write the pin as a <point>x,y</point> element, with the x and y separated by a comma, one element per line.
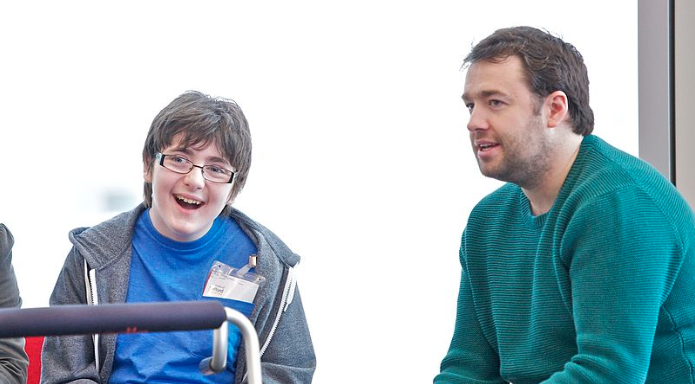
<point>107,242</point>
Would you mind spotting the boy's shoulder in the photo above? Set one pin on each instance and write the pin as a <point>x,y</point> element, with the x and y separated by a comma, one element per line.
<point>112,226</point>
<point>106,240</point>
<point>263,237</point>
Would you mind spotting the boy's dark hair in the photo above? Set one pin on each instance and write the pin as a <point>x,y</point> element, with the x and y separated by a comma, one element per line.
<point>550,65</point>
<point>201,120</point>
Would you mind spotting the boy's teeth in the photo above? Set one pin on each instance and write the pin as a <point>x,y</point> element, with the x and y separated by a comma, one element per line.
<point>185,200</point>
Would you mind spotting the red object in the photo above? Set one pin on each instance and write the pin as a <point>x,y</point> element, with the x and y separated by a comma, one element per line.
<point>33,349</point>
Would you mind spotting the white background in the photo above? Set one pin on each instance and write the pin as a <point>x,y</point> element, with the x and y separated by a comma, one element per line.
<point>361,156</point>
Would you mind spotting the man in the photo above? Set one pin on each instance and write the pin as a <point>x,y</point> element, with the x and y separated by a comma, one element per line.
<point>179,245</point>
<point>581,269</point>
<point>13,360</point>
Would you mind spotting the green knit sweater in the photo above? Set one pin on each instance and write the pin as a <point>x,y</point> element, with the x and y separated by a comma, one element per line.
<point>601,289</point>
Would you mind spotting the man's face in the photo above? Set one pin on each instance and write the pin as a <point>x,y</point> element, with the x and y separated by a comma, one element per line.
<point>506,124</point>
<point>184,206</point>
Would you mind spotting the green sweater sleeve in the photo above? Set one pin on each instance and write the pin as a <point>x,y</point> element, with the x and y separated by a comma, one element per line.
<point>622,267</point>
<point>470,359</point>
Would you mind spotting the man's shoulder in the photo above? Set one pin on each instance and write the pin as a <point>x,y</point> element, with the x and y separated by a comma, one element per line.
<point>611,178</point>
<point>608,169</point>
<point>506,194</point>
<point>602,160</point>
<point>503,205</point>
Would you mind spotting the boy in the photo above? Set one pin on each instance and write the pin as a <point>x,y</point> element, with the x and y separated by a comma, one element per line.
<point>196,159</point>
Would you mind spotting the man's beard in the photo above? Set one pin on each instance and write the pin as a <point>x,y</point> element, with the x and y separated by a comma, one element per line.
<point>526,158</point>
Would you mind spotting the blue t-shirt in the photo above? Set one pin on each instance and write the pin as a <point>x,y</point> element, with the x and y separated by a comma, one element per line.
<point>167,270</point>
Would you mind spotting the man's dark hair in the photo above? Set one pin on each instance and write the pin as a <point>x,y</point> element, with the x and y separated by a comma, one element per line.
<point>550,65</point>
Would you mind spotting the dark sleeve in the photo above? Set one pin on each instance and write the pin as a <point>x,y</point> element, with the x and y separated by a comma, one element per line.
<point>69,359</point>
<point>290,358</point>
<point>13,359</point>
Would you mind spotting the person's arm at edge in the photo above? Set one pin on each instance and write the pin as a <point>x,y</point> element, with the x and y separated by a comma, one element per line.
<point>13,359</point>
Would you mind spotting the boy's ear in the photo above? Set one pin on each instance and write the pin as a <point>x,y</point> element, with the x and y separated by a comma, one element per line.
<point>233,194</point>
<point>147,172</point>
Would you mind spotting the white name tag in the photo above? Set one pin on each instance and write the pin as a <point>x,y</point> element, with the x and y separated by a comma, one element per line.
<point>225,282</point>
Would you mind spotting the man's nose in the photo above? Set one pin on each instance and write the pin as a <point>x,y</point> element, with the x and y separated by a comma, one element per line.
<point>477,120</point>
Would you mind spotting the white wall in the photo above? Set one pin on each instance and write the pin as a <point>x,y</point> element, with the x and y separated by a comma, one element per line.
<point>684,12</point>
<point>666,84</point>
<point>361,156</point>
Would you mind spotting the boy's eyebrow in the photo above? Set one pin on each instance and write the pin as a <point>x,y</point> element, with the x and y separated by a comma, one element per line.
<point>213,159</point>
<point>182,149</point>
<point>217,159</point>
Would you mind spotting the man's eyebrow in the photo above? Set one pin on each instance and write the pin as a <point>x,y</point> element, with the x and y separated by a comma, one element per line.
<point>484,94</point>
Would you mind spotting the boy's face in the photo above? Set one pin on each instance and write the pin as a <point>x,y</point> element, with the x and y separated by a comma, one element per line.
<point>184,206</point>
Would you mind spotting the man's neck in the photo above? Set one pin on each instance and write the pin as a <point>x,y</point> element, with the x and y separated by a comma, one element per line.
<point>542,196</point>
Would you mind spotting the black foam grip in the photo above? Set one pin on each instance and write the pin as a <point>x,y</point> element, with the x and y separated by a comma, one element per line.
<point>112,318</point>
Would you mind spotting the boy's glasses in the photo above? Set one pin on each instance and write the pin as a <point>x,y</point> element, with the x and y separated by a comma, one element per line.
<point>180,164</point>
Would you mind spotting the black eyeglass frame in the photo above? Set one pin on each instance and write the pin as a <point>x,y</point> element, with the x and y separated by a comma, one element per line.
<point>160,156</point>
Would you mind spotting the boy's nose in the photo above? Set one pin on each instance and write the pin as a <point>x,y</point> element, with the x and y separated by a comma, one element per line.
<point>195,178</point>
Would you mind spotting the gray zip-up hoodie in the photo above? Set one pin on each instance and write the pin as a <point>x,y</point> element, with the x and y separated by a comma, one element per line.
<point>286,347</point>
<point>13,360</point>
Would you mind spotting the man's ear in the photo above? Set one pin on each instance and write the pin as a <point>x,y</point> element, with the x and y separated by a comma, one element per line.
<point>557,106</point>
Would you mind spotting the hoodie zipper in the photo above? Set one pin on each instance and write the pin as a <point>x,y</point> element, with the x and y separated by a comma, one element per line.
<point>285,301</point>
<point>287,297</point>
<point>90,280</point>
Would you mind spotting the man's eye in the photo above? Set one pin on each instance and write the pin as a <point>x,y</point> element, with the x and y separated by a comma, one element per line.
<point>495,103</point>
<point>469,106</point>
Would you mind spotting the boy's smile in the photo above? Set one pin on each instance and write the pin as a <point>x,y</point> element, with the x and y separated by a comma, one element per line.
<point>187,203</point>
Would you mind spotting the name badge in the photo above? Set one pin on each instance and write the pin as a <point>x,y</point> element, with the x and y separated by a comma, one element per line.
<point>225,282</point>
